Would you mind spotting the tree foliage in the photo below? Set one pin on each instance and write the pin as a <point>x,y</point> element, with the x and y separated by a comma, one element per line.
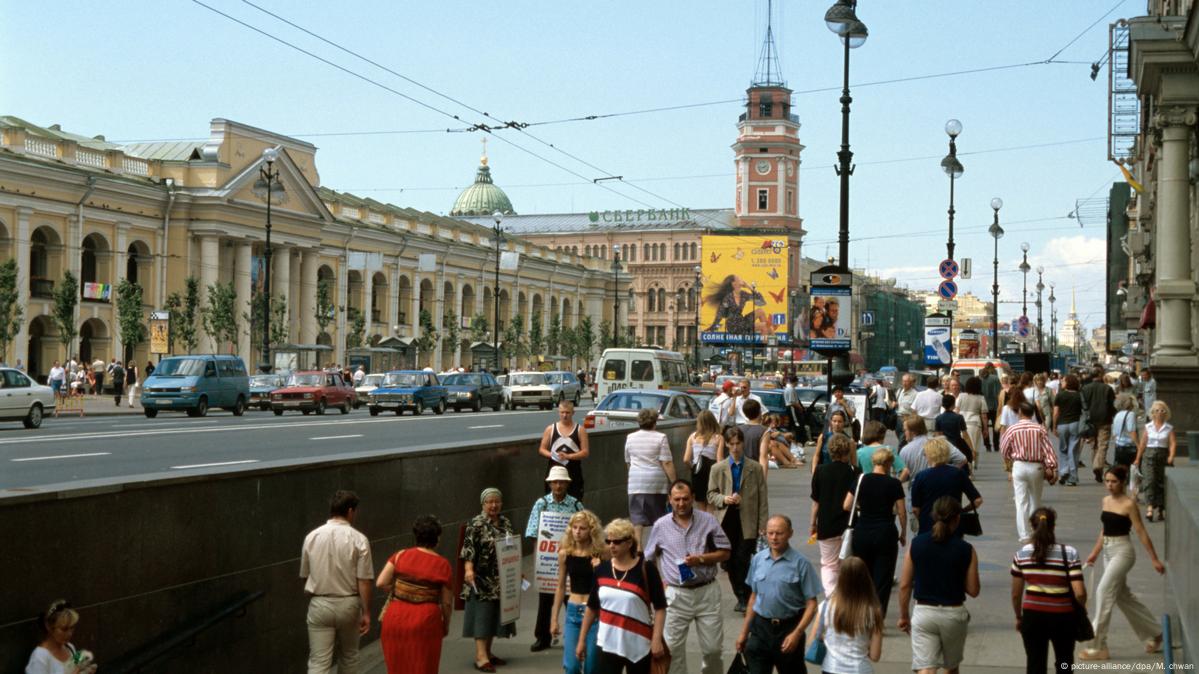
<point>584,339</point>
<point>11,311</point>
<point>219,316</point>
<point>453,329</point>
<point>66,298</point>
<point>253,319</point>
<point>355,328</point>
<point>427,341</point>
<point>536,336</point>
<point>130,316</point>
<point>324,303</point>
<point>553,337</point>
<point>479,327</point>
<point>514,338</point>
<point>183,310</point>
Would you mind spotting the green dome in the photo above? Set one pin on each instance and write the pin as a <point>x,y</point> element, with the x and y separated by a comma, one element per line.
<point>483,197</point>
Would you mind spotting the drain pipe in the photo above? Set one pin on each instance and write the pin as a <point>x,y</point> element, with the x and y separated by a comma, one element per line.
<point>77,241</point>
<point>162,249</point>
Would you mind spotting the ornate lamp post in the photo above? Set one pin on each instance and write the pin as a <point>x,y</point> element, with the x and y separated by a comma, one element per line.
<point>1040,289</point>
<point>1024,268</point>
<point>699,279</point>
<point>498,233</point>
<point>268,187</point>
<point>615,293</point>
<point>1052,321</point>
<point>996,233</point>
<point>954,169</point>
<point>842,19</point>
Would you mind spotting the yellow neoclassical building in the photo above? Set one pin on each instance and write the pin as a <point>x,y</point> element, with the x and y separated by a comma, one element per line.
<point>158,213</point>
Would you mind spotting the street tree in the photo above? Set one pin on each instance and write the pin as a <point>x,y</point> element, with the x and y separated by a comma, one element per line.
<point>568,344</point>
<point>479,327</point>
<point>427,341</point>
<point>130,316</point>
<point>453,330</point>
<point>66,298</point>
<point>536,336</point>
<point>585,340</point>
<point>355,328</point>
<point>514,338</point>
<point>11,311</point>
<point>253,319</point>
<point>219,316</point>
<point>553,338</point>
<point>324,303</point>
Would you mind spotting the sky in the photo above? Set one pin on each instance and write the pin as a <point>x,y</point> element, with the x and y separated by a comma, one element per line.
<point>1016,74</point>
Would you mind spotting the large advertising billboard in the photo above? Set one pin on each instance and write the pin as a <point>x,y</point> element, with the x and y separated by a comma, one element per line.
<point>937,347</point>
<point>744,297</point>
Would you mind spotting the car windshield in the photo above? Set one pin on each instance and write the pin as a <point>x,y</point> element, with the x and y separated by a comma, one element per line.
<point>536,379</point>
<point>463,380</point>
<point>771,399</point>
<point>264,380</point>
<point>305,380</point>
<point>372,380</point>
<point>553,378</point>
<point>180,367</point>
<point>626,401</point>
<point>403,379</point>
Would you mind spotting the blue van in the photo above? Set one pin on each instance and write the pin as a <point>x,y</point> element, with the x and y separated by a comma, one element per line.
<point>195,383</point>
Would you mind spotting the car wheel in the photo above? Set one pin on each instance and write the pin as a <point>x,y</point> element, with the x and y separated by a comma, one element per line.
<point>264,407</point>
<point>419,408</point>
<point>239,407</point>
<point>561,397</point>
<point>577,396</point>
<point>374,411</point>
<point>150,412</point>
<point>345,407</point>
<point>439,408</point>
<point>306,412</point>
<point>34,418</point>
<point>320,406</point>
<point>399,411</point>
<point>478,406</point>
<point>278,413</point>
<point>499,404</point>
<point>202,408</point>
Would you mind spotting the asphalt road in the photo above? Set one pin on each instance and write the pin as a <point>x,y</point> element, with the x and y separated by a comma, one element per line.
<point>69,449</point>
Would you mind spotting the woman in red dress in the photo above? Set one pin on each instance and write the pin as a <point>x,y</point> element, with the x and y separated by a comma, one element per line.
<point>416,616</point>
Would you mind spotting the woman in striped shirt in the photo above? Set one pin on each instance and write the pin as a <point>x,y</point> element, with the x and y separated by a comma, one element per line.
<point>1044,573</point>
<point>629,602</point>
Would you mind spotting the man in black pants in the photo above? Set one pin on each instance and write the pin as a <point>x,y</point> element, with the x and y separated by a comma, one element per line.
<point>737,490</point>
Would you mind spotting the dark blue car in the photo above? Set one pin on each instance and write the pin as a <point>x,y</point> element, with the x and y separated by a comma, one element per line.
<point>408,390</point>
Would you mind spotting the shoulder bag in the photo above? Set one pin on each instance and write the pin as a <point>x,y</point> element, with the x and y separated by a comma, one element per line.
<point>1086,427</point>
<point>817,650</point>
<point>1124,454</point>
<point>969,522</point>
<point>1083,630</point>
<point>847,536</point>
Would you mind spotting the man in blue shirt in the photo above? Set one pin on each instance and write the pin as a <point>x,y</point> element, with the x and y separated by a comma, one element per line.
<point>782,604</point>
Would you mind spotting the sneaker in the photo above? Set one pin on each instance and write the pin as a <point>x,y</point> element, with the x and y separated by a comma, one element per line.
<point>740,607</point>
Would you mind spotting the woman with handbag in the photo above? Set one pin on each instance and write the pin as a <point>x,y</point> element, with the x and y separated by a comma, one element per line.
<point>876,540</point>
<point>1067,424</point>
<point>630,591</point>
<point>831,483</point>
<point>1124,432</point>
<point>973,406</point>
<point>416,616</point>
<point>1046,582</point>
<point>1120,516</point>
<point>1155,452</point>
<point>940,480</point>
<point>851,622</point>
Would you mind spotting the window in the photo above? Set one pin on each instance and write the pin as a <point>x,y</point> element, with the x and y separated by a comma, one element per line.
<point>633,253</point>
<point>645,252</point>
<point>790,201</point>
<point>614,369</point>
<point>652,297</point>
<point>14,379</point>
<point>676,252</point>
<point>632,301</point>
<point>766,105</point>
<point>661,299</point>
<point>642,370</point>
<point>587,251</point>
<point>210,369</point>
<point>763,199</point>
<point>694,251</point>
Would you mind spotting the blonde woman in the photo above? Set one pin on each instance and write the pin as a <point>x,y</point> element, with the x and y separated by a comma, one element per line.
<point>1155,450</point>
<point>851,622</point>
<point>56,653</point>
<point>581,550</point>
<point>704,448</point>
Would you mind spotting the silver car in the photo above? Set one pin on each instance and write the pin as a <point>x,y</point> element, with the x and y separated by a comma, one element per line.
<point>24,399</point>
<point>565,385</point>
<point>619,409</point>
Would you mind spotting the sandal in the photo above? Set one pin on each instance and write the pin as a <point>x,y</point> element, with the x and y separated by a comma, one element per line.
<point>1094,654</point>
<point>485,667</point>
<point>497,662</point>
<point>1154,645</point>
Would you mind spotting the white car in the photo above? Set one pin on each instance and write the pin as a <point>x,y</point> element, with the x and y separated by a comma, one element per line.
<point>528,389</point>
<point>362,392</point>
<point>24,399</point>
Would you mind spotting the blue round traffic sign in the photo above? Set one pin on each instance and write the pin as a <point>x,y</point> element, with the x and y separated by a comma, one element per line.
<point>948,269</point>
<point>947,290</point>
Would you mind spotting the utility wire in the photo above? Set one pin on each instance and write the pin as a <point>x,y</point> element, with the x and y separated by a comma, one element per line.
<point>1086,30</point>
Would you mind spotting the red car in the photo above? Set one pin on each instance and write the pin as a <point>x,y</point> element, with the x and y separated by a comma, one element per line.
<point>313,391</point>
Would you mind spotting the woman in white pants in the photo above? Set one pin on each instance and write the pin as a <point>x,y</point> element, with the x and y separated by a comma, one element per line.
<point>1120,516</point>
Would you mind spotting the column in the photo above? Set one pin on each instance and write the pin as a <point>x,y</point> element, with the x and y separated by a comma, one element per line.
<point>341,303</point>
<point>457,346</point>
<point>295,289</point>
<point>117,262</point>
<point>21,252</point>
<point>414,306</point>
<point>307,318</point>
<point>1175,287</point>
<point>438,316</point>
<point>368,287</point>
<point>241,283</point>
<point>281,277</point>
<point>210,262</point>
<point>393,298</point>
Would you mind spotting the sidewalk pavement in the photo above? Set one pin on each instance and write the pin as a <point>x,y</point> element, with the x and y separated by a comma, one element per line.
<point>993,645</point>
<point>99,406</point>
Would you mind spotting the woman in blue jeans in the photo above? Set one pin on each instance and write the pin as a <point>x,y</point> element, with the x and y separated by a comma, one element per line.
<point>1067,422</point>
<point>581,550</point>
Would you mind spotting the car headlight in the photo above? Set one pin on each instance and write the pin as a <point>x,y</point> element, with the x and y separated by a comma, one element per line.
<point>187,389</point>
<point>307,396</point>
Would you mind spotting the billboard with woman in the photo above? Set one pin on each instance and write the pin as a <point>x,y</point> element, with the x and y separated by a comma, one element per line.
<point>744,295</point>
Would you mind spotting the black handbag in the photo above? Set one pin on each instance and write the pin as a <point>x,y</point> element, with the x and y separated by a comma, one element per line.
<point>1083,630</point>
<point>738,665</point>
<point>970,524</point>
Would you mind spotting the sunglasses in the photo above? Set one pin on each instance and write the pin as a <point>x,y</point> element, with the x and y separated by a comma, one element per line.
<point>616,541</point>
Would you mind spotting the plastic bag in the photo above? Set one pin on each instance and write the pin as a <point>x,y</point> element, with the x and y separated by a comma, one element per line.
<point>1134,480</point>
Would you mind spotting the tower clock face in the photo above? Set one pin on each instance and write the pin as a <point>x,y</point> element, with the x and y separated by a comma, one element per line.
<point>763,166</point>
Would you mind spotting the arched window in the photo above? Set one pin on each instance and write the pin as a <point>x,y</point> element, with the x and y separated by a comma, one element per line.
<point>691,299</point>
<point>662,299</point>
<point>652,300</point>
<point>676,252</point>
<point>694,251</point>
<point>645,252</point>
<point>662,251</point>
<point>574,249</point>
<point>632,301</point>
<point>633,253</point>
<point>680,300</point>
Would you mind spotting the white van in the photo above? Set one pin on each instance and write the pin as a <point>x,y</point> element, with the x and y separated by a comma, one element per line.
<point>639,368</point>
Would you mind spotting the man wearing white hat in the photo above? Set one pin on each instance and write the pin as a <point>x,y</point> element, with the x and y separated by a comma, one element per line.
<point>557,501</point>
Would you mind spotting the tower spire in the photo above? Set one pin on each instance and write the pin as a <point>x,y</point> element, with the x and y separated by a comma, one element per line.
<point>769,72</point>
<point>1073,308</point>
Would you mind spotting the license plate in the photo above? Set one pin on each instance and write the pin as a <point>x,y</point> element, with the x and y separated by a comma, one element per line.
<point>291,403</point>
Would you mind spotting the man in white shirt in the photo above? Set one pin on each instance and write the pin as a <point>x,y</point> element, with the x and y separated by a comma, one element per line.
<point>744,394</point>
<point>57,379</point>
<point>335,563</point>
<point>928,402</point>
<point>359,375</point>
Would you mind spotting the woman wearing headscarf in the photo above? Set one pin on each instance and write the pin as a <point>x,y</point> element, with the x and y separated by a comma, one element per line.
<point>481,579</point>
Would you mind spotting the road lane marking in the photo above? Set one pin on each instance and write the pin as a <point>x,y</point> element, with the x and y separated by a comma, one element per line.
<point>61,456</point>
<point>471,428</point>
<point>336,437</point>
<point>213,465</point>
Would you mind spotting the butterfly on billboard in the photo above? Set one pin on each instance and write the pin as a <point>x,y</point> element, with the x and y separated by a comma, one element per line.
<point>714,257</point>
<point>777,297</point>
<point>773,273</point>
<point>740,254</point>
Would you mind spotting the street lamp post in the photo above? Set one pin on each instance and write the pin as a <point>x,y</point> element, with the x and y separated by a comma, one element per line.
<point>842,19</point>
<point>996,233</point>
<point>699,279</point>
<point>269,187</point>
<point>498,233</point>
<point>1040,289</point>
<point>615,293</point>
<point>1052,321</point>
<point>954,169</point>
<point>1024,268</point>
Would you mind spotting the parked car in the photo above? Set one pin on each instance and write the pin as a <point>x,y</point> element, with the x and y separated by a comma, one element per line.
<point>313,391</point>
<point>619,409</point>
<point>408,390</point>
<point>24,399</point>
<point>565,385</point>
<point>196,383</point>
<point>528,389</point>
<point>261,386</point>
<point>702,395</point>
<point>474,391</point>
<point>362,391</point>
